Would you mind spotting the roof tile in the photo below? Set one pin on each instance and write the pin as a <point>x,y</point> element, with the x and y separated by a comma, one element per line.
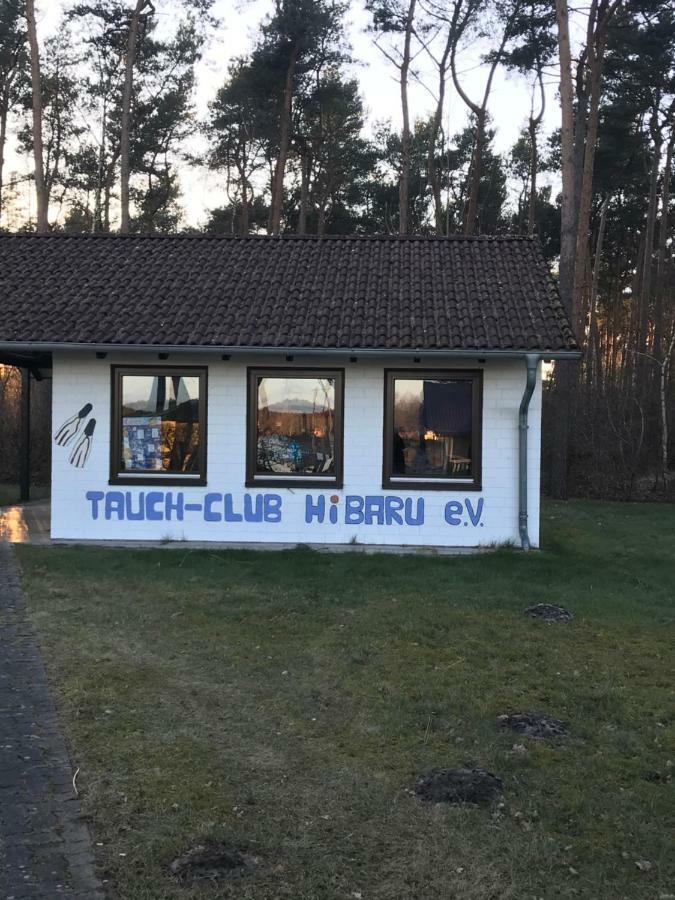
<point>304,292</point>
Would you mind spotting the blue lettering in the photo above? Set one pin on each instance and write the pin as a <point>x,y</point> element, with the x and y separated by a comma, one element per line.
<point>392,510</point>
<point>209,502</point>
<point>152,501</point>
<point>315,509</point>
<point>453,512</point>
<point>410,519</point>
<point>230,514</point>
<point>272,508</point>
<point>177,506</point>
<point>135,515</point>
<point>114,504</point>
<point>353,510</point>
<point>374,510</point>
<point>474,515</point>
<point>251,514</point>
<point>94,497</point>
<point>333,513</point>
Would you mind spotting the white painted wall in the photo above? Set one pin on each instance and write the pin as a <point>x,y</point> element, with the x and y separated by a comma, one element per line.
<point>80,378</point>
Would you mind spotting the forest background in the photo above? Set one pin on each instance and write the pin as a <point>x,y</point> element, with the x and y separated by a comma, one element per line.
<point>477,117</point>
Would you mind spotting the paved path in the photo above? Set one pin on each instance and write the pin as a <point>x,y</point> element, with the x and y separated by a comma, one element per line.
<point>45,847</point>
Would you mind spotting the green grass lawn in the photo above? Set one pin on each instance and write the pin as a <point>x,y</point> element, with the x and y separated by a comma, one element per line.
<point>286,703</point>
<point>9,493</point>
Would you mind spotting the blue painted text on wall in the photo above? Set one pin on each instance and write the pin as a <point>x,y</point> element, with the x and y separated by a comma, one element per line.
<point>167,506</point>
<point>353,509</point>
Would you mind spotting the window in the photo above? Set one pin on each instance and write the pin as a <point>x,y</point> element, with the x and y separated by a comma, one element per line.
<point>295,427</point>
<point>432,430</point>
<point>158,425</point>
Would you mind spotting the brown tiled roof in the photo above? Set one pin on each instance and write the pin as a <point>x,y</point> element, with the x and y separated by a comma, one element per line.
<point>417,293</point>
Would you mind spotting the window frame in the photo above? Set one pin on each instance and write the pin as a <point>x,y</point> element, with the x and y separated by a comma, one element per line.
<point>422,482</point>
<point>145,479</point>
<point>253,373</point>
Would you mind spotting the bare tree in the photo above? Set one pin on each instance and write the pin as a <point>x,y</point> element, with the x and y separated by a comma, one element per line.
<point>406,134</point>
<point>394,17</point>
<point>533,128</point>
<point>142,10</point>
<point>442,64</point>
<point>36,88</point>
<point>462,15</point>
<point>433,175</point>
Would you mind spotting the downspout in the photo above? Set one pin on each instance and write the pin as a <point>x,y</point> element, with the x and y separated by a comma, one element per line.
<point>531,362</point>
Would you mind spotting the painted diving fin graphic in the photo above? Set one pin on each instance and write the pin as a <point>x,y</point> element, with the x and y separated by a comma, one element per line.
<point>82,449</point>
<point>69,429</point>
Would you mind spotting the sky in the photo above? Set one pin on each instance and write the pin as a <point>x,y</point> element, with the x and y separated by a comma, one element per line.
<point>235,35</point>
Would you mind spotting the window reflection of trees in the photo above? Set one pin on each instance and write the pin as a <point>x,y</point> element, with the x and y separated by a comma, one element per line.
<point>298,440</point>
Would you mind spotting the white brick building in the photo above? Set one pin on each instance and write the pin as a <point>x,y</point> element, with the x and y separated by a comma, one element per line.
<point>321,391</point>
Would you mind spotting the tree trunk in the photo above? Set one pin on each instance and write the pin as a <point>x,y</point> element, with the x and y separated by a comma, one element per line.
<point>321,219</point>
<point>284,142</point>
<point>96,219</point>
<point>406,136</point>
<point>645,284</point>
<point>4,112</point>
<point>586,192</point>
<point>107,190</point>
<point>476,172</point>
<point>578,159</point>
<point>304,194</point>
<point>662,259</point>
<point>665,367</point>
<point>36,89</point>
<point>244,206</point>
<point>129,60</point>
<point>534,123</point>
<point>568,217</point>
<point>433,175</point>
<point>564,372</point>
<point>534,166</point>
<point>594,361</point>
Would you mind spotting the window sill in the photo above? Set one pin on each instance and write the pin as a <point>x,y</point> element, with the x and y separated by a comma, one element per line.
<point>159,480</point>
<point>321,485</point>
<point>422,485</point>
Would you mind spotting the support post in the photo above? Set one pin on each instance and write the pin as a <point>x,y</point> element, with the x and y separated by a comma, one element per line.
<point>24,442</point>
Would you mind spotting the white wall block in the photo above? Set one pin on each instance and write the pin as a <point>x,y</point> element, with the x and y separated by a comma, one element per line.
<point>480,518</point>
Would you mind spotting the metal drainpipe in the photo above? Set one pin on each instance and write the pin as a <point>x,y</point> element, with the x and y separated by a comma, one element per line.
<point>531,362</point>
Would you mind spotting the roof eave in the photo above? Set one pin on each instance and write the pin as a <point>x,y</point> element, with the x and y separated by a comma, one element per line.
<point>40,348</point>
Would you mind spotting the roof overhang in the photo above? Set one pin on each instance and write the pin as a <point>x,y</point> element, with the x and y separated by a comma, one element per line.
<point>36,361</point>
<point>37,354</point>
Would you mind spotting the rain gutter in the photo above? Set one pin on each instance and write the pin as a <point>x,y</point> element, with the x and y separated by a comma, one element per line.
<point>359,352</point>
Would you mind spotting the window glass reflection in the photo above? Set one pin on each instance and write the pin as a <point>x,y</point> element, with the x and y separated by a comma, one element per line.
<point>160,423</point>
<point>295,426</point>
<point>432,428</point>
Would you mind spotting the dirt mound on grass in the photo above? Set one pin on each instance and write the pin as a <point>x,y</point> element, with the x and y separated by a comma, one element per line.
<point>549,612</point>
<point>474,786</point>
<point>534,725</point>
<point>212,862</point>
